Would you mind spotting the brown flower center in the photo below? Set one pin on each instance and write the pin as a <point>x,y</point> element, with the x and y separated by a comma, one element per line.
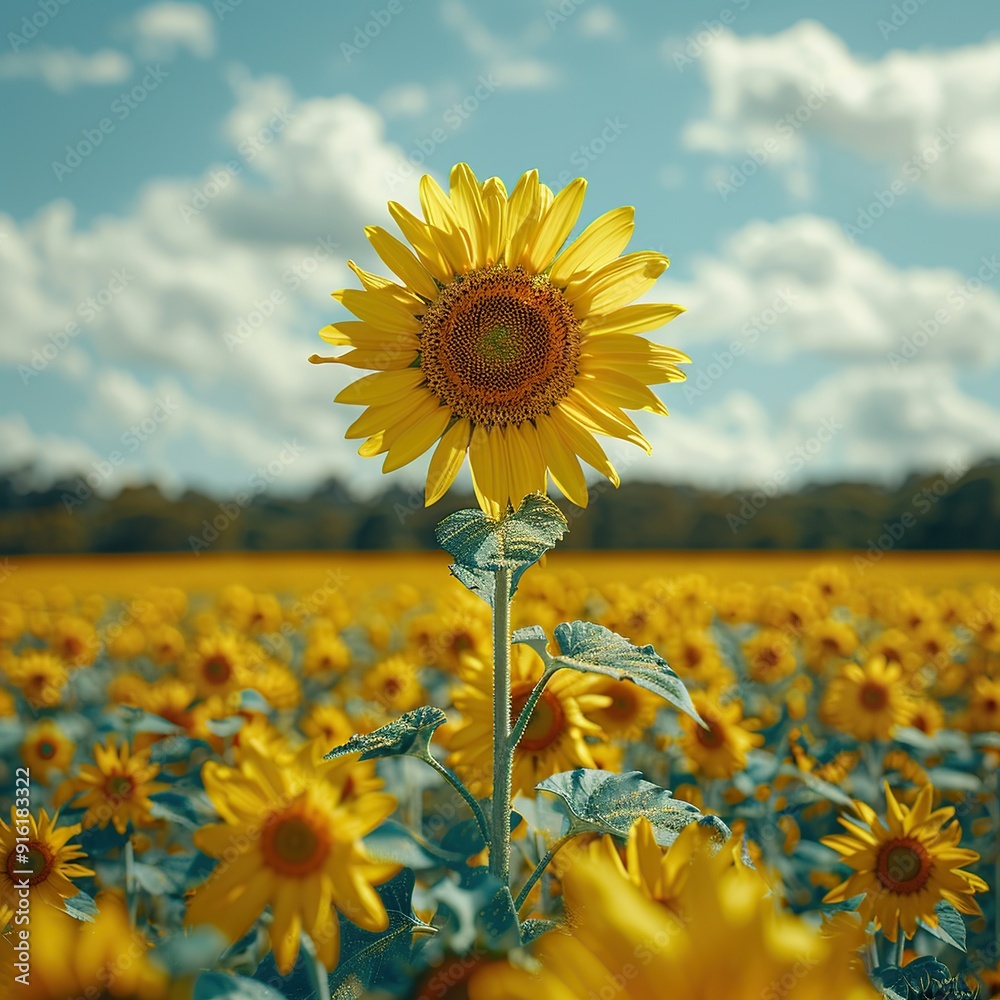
<point>873,696</point>
<point>294,844</point>
<point>711,738</point>
<point>500,346</point>
<point>217,669</point>
<point>33,865</point>
<point>45,749</point>
<point>548,720</point>
<point>903,865</point>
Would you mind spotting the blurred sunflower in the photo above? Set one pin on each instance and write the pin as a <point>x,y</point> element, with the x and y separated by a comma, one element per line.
<point>75,640</point>
<point>219,664</point>
<point>692,652</point>
<point>115,788</point>
<point>394,684</point>
<point>630,714</point>
<point>498,345</point>
<point>827,642</point>
<point>329,725</point>
<point>289,841</point>
<point>45,860</point>
<point>325,651</point>
<point>769,656</point>
<point>46,748</point>
<point>552,742</point>
<point>41,676</point>
<point>867,701</point>
<point>906,866</point>
<point>12,621</point>
<point>983,712</point>
<point>720,751</point>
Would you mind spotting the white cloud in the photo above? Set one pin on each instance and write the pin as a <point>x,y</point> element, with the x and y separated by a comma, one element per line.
<point>42,459</point>
<point>507,60</point>
<point>930,117</point>
<point>161,30</point>
<point>800,284</point>
<point>600,21</point>
<point>64,69</point>
<point>405,101</point>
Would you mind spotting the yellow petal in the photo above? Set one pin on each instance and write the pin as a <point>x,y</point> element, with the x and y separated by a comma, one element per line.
<point>354,333</point>
<point>467,199</point>
<point>616,284</point>
<point>402,262</point>
<point>486,479</point>
<point>385,358</point>
<point>599,244</point>
<point>638,347</point>
<point>632,319</point>
<point>583,443</point>
<point>521,216</point>
<point>379,418</point>
<point>526,465</point>
<point>446,461</point>
<point>622,390</point>
<point>444,225</point>
<point>608,420</point>
<point>383,387</point>
<point>379,309</point>
<point>375,445</point>
<point>416,439</point>
<point>556,225</point>
<point>563,465</point>
<point>419,235</point>
<point>368,280</point>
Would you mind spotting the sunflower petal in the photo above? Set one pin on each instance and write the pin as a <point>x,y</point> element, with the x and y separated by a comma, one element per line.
<point>417,438</point>
<point>401,260</point>
<point>639,318</point>
<point>616,284</point>
<point>447,461</point>
<point>563,465</point>
<point>556,225</point>
<point>599,244</point>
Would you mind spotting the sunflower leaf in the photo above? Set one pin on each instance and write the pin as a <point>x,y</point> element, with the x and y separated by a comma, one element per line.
<point>535,637</point>
<point>409,734</point>
<point>608,802</point>
<point>81,907</point>
<point>497,921</point>
<point>950,926</point>
<point>379,959</point>
<point>226,986</point>
<point>481,546</point>
<point>594,649</point>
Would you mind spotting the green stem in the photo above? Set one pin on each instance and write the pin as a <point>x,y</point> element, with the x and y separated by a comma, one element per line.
<point>529,706</point>
<point>456,783</point>
<point>131,895</point>
<point>539,870</point>
<point>897,958</point>
<point>502,747</point>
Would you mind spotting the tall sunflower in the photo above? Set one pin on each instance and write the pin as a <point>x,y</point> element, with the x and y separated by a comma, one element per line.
<point>867,701</point>
<point>905,866</point>
<point>497,345</point>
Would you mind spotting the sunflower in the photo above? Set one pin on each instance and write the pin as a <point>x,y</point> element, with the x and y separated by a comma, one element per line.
<point>219,664</point>
<point>289,840</point>
<point>906,866</point>
<point>12,621</point>
<point>769,656</point>
<point>498,345</point>
<point>720,751</point>
<point>329,725</point>
<point>124,642</point>
<point>75,640</point>
<point>325,651</point>
<point>868,701</point>
<point>983,712</point>
<point>554,738</point>
<point>41,676</point>
<point>733,941</point>
<point>394,684</point>
<point>692,652</point>
<point>165,644</point>
<point>442,638</point>
<point>38,854</point>
<point>828,642</point>
<point>632,710</point>
<point>116,788</point>
<point>46,748</point>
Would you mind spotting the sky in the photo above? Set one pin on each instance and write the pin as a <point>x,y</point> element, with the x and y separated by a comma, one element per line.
<point>182,184</point>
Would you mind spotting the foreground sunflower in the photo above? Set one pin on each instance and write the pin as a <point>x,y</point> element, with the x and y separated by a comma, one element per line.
<point>498,345</point>
<point>290,838</point>
<point>906,866</point>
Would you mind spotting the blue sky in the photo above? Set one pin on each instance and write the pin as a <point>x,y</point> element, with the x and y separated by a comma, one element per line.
<point>825,179</point>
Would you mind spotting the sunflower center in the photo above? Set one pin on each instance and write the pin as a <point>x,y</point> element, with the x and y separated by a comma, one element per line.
<point>217,669</point>
<point>767,657</point>
<point>547,720</point>
<point>711,738</point>
<point>623,705</point>
<point>500,346</point>
<point>33,866</point>
<point>46,750</point>
<point>119,786</point>
<point>904,866</point>
<point>873,696</point>
<point>293,844</point>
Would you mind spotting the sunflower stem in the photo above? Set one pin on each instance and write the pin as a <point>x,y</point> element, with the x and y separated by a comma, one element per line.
<point>457,784</point>
<point>502,745</point>
<point>540,870</point>
<point>897,957</point>
<point>130,888</point>
<point>529,706</point>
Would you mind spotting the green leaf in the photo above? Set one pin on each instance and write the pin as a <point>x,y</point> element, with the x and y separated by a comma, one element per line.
<point>924,978</point>
<point>376,958</point>
<point>535,637</point>
<point>845,906</point>
<point>607,802</point>
<point>224,986</point>
<point>950,927</point>
<point>954,781</point>
<point>533,928</point>
<point>155,881</point>
<point>497,921</point>
<point>480,546</point>
<point>409,734</point>
<point>81,906</point>
<point>822,788</point>
<point>187,951</point>
<point>594,649</point>
<point>139,721</point>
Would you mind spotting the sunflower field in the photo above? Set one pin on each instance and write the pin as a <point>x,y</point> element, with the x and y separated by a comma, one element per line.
<point>176,831</point>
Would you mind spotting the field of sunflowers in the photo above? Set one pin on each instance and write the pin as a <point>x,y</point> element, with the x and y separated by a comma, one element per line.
<point>174,830</point>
